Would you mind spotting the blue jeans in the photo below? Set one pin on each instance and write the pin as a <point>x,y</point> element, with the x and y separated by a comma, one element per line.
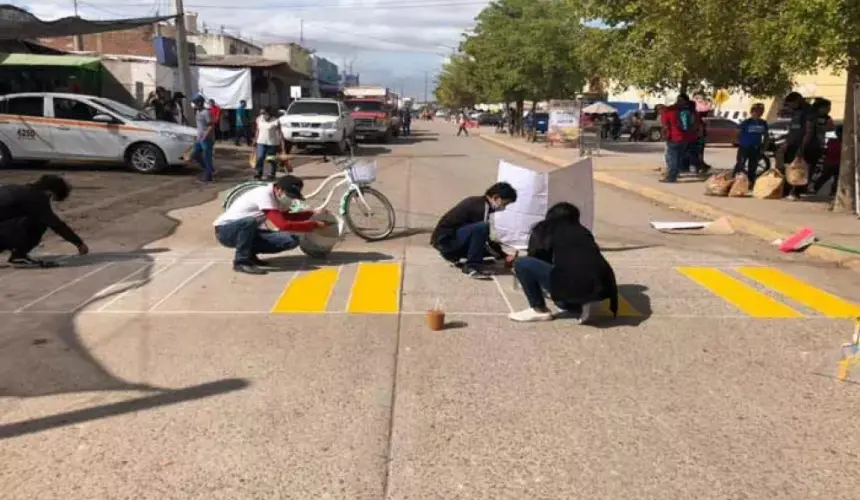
<point>675,154</point>
<point>534,276</point>
<point>203,151</point>
<point>249,240</point>
<point>264,150</point>
<point>470,241</point>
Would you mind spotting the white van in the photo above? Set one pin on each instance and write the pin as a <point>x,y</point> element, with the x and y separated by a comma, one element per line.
<point>45,126</point>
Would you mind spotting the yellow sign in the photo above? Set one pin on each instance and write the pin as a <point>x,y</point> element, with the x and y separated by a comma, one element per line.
<point>721,96</point>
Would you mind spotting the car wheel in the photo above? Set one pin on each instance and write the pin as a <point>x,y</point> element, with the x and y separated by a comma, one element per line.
<point>388,137</point>
<point>5,156</point>
<point>146,159</point>
<point>655,135</point>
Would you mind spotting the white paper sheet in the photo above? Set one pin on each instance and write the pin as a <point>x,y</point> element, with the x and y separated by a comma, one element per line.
<point>678,225</point>
<point>227,86</point>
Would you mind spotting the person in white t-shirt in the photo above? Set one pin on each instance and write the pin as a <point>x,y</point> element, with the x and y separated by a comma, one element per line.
<point>268,139</point>
<point>242,225</point>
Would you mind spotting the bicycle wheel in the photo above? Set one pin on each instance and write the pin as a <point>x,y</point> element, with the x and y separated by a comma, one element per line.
<point>378,207</point>
<point>234,193</point>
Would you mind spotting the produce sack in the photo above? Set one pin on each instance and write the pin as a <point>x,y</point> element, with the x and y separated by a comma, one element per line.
<point>797,174</point>
<point>252,159</point>
<point>740,187</point>
<point>719,184</point>
<point>768,186</point>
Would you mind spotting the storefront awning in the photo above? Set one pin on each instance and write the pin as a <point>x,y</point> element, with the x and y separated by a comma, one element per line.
<point>18,24</point>
<point>82,62</point>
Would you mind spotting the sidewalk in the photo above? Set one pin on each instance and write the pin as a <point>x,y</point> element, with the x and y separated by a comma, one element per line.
<point>765,219</point>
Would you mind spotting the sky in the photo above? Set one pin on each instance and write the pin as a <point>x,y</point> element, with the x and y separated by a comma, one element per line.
<point>396,43</point>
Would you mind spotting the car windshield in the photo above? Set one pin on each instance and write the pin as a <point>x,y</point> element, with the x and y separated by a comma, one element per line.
<point>313,108</point>
<point>365,106</point>
<point>122,110</point>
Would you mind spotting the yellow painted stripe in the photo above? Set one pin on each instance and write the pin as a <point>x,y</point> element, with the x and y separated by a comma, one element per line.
<point>739,294</point>
<point>308,292</point>
<point>785,284</point>
<point>625,309</point>
<point>376,289</point>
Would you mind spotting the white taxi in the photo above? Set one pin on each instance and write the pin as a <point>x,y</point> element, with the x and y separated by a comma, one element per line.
<point>43,126</point>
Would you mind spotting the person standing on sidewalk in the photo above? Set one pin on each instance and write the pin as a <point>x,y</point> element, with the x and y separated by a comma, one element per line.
<point>799,137</point>
<point>268,138</point>
<point>205,145</point>
<point>242,123</point>
<point>679,129</point>
<point>832,159</point>
<point>752,140</point>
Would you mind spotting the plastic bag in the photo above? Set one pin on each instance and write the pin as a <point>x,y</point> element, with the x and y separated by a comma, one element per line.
<point>768,186</point>
<point>740,187</point>
<point>797,174</point>
<point>719,184</point>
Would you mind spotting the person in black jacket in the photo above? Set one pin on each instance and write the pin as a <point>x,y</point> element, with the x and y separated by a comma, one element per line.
<point>564,260</point>
<point>25,215</point>
<point>464,231</point>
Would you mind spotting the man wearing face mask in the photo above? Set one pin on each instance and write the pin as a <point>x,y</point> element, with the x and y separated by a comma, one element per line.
<point>242,225</point>
<point>464,231</point>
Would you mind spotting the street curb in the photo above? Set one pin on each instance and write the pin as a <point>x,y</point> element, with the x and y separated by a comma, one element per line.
<point>742,224</point>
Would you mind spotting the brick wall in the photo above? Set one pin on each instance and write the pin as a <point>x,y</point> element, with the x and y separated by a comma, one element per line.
<point>134,42</point>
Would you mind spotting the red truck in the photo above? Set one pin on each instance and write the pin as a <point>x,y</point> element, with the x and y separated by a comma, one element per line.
<point>373,115</point>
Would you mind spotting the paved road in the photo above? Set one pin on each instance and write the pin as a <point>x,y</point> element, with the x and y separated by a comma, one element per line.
<point>158,373</point>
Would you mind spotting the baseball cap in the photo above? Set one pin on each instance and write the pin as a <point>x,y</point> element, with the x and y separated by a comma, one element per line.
<point>291,185</point>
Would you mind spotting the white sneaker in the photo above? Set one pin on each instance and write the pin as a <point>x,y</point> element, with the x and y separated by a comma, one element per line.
<point>585,315</point>
<point>530,315</point>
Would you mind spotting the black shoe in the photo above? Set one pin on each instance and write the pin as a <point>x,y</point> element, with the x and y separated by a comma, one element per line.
<point>258,262</point>
<point>258,177</point>
<point>26,262</point>
<point>495,254</point>
<point>248,268</point>
<point>270,177</point>
<point>474,272</point>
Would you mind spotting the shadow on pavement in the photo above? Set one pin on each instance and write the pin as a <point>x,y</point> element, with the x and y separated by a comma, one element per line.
<point>336,257</point>
<point>636,296</point>
<point>365,149</point>
<point>415,138</point>
<point>168,397</point>
<point>406,232</point>
<point>628,249</point>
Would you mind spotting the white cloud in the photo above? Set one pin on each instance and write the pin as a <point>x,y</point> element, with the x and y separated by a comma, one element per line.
<point>390,42</point>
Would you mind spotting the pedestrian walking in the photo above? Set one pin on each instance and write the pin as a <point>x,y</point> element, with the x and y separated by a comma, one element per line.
<point>752,139</point>
<point>267,143</point>
<point>204,147</point>
<point>461,121</point>
<point>241,131</point>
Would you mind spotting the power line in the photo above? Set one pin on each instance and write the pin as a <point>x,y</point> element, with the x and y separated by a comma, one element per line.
<point>381,6</point>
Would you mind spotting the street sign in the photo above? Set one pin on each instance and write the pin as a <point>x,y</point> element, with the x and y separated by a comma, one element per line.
<point>295,92</point>
<point>721,96</point>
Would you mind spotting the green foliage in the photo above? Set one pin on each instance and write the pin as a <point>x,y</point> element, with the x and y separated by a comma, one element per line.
<point>457,85</point>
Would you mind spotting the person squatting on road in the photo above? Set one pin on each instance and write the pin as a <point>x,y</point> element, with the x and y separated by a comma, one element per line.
<point>564,260</point>
<point>25,215</point>
<point>242,225</point>
<point>464,231</point>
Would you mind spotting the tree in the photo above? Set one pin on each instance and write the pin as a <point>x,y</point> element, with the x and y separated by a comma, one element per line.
<point>524,50</point>
<point>457,83</point>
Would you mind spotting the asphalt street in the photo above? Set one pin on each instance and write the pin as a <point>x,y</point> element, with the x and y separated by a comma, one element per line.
<point>149,370</point>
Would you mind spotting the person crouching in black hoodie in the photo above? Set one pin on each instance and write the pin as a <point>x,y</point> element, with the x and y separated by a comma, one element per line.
<point>464,231</point>
<point>564,259</point>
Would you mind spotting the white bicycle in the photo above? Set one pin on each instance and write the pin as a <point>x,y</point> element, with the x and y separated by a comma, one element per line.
<point>357,176</point>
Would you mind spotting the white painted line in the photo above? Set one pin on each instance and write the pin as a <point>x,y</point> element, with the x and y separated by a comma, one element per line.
<point>125,293</point>
<point>181,285</point>
<point>17,271</point>
<point>63,287</point>
<point>106,290</point>
<point>505,297</point>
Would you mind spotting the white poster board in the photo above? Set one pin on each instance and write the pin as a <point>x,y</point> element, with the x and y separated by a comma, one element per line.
<point>227,86</point>
<point>295,92</point>
<point>536,192</point>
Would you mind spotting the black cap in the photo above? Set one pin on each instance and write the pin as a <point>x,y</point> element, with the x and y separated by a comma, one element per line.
<point>291,185</point>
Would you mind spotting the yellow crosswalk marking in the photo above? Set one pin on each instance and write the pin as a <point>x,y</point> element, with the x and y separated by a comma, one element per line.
<point>376,289</point>
<point>625,309</point>
<point>739,294</point>
<point>308,292</point>
<point>827,304</point>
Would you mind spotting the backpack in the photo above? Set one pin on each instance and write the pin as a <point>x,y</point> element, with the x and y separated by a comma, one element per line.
<point>685,119</point>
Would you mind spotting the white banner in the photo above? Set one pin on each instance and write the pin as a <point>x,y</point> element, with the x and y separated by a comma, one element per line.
<point>227,86</point>
<point>536,192</point>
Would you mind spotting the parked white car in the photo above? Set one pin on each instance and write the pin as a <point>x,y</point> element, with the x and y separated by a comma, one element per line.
<point>318,122</point>
<point>44,126</point>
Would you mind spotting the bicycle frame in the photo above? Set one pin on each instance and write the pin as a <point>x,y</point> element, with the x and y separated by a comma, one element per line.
<point>351,186</point>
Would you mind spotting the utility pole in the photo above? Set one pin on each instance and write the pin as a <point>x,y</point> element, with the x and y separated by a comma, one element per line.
<point>425,86</point>
<point>184,62</point>
<point>79,39</point>
<point>301,31</point>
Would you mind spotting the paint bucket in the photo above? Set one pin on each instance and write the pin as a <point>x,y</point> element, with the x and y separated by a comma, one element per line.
<point>435,319</point>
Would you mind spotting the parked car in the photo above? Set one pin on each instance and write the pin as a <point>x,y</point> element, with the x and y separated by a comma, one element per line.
<point>652,129</point>
<point>721,130</point>
<point>493,119</point>
<point>48,126</point>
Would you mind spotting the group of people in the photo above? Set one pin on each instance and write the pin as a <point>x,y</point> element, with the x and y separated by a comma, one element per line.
<point>165,105</point>
<point>562,261</point>
<point>685,131</point>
